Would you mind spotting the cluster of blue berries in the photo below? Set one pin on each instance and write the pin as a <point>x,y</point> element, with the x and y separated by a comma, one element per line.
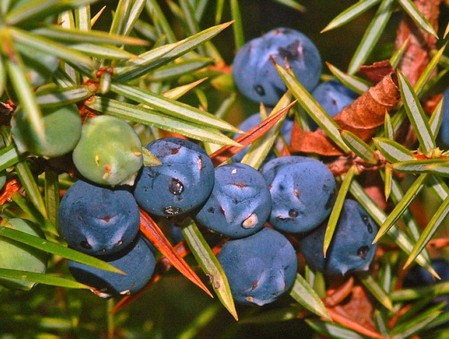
<point>302,189</point>
<point>104,222</point>
<point>257,79</point>
<point>253,209</point>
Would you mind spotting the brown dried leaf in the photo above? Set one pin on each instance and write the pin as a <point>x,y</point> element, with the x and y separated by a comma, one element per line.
<point>417,53</point>
<point>356,314</point>
<point>312,142</point>
<point>360,308</point>
<point>377,71</point>
<point>362,117</point>
<point>366,113</point>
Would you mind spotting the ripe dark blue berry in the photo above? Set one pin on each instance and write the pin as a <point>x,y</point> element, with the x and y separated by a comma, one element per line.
<point>259,268</point>
<point>420,277</point>
<point>174,232</point>
<point>137,261</point>
<point>240,202</point>
<point>351,248</point>
<point>98,220</point>
<point>255,75</point>
<point>182,182</point>
<point>333,96</point>
<point>302,192</point>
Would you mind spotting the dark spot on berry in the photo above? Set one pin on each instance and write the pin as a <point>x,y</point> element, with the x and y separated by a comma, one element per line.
<point>152,174</point>
<point>363,251</point>
<point>171,210</point>
<point>330,201</point>
<point>293,213</point>
<point>175,187</point>
<point>292,51</point>
<point>254,285</point>
<point>259,90</point>
<point>279,90</point>
<point>211,210</point>
<point>368,224</point>
<point>85,244</point>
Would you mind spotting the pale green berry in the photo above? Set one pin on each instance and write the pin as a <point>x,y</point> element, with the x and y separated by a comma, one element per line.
<point>109,151</point>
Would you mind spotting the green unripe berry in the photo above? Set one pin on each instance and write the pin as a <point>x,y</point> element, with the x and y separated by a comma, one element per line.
<point>62,130</point>
<point>17,256</point>
<point>109,151</point>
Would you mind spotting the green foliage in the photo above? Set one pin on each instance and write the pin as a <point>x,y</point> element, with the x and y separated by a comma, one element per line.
<point>164,67</point>
<point>210,265</point>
